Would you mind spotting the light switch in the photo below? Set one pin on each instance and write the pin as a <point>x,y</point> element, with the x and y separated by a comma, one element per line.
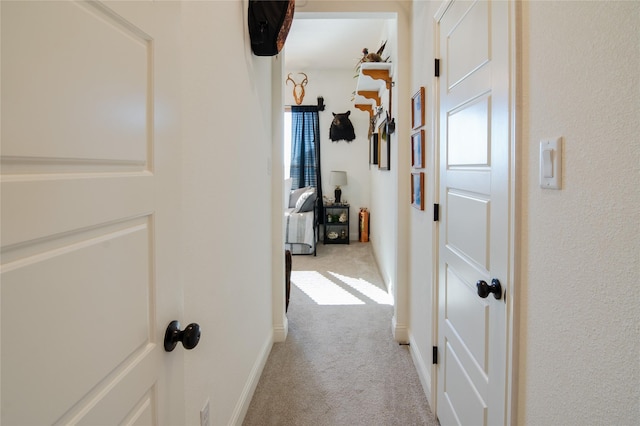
<point>550,163</point>
<point>547,164</point>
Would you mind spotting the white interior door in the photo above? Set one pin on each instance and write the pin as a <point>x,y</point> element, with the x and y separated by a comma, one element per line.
<point>475,219</point>
<point>89,278</point>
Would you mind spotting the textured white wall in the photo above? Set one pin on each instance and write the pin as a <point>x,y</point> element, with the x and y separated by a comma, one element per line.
<point>421,237</point>
<point>579,251</point>
<point>226,204</point>
<point>580,316</point>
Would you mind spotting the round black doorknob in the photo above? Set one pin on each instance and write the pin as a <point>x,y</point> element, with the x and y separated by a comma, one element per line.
<point>189,337</point>
<point>485,289</point>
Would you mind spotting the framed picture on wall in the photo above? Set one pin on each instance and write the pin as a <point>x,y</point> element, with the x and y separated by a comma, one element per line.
<point>373,149</point>
<point>417,190</point>
<point>417,109</point>
<point>417,150</point>
<point>384,149</point>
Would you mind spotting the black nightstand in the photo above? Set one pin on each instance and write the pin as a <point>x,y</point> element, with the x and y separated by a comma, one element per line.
<point>336,224</point>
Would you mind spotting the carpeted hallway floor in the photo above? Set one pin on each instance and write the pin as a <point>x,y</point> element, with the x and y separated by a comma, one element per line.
<point>339,364</point>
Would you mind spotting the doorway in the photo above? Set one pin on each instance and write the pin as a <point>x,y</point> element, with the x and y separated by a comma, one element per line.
<point>476,228</point>
<point>383,192</point>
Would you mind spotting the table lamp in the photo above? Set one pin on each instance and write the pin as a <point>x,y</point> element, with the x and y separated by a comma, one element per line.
<point>338,178</point>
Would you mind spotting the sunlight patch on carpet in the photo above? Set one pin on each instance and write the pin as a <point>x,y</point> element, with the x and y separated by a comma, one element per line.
<point>371,291</point>
<point>322,290</point>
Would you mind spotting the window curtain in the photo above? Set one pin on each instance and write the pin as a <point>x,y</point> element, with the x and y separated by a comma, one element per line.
<point>305,148</point>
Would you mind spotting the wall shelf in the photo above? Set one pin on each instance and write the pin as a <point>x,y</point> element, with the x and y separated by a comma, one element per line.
<point>366,108</point>
<point>373,78</point>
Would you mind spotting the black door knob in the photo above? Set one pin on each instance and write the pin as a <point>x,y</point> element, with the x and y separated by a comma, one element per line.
<point>189,337</point>
<point>485,289</point>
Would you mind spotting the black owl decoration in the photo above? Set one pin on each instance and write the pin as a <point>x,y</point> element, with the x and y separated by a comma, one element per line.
<point>341,128</point>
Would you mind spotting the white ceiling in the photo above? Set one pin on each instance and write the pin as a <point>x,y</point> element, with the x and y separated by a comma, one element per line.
<point>323,43</point>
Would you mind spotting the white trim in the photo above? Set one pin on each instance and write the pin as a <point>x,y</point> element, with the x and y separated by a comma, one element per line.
<point>435,187</point>
<point>513,313</point>
<point>241,408</point>
<point>423,371</point>
<point>280,332</point>
<point>400,331</point>
<point>442,9</point>
<point>512,317</point>
<point>275,167</point>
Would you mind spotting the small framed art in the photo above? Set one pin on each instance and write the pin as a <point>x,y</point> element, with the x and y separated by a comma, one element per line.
<point>373,149</point>
<point>417,190</point>
<point>417,150</point>
<point>384,149</point>
<point>417,109</point>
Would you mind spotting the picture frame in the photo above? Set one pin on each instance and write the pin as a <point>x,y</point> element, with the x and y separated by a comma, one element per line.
<point>417,190</point>
<point>373,149</point>
<point>417,109</point>
<point>417,150</point>
<point>384,148</point>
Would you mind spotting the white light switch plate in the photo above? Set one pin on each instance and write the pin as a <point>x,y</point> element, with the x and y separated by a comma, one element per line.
<point>551,163</point>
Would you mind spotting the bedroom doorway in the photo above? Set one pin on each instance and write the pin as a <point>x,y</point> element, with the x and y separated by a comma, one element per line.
<point>367,185</point>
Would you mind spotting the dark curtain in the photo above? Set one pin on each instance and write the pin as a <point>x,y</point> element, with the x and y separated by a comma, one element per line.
<point>305,148</point>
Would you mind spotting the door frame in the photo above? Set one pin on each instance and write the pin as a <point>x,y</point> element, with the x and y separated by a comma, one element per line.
<point>511,288</point>
<point>400,289</point>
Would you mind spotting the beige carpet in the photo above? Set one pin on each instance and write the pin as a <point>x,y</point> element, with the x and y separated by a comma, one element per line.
<point>339,364</point>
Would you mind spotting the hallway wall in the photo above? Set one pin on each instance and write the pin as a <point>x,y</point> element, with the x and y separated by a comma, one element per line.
<point>578,259</point>
<point>422,227</point>
<point>226,123</point>
<point>578,248</point>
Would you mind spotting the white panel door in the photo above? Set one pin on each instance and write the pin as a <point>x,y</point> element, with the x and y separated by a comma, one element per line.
<point>89,282</point>
<point>474,227</point>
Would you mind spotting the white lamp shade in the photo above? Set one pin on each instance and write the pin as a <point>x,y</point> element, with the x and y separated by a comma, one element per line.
<point>338,178</point>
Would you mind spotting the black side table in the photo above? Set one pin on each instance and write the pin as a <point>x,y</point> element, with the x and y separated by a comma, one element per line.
<point>336,223</point>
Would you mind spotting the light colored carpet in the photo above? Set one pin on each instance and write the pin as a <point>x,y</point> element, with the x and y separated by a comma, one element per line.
<point>339,364</point>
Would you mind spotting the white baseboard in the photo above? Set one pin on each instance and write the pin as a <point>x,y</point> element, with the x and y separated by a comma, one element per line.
<point>242,406</point>
<point>423,369</point>
<point>280,332</point>
<point>400,331</point>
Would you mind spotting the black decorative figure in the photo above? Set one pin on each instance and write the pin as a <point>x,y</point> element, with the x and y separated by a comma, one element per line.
<point>341,128</point>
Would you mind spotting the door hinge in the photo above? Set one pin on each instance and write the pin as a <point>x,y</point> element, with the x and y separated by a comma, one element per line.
<point>436,212</point>
<point>435,354</point>
<point>437,67</point>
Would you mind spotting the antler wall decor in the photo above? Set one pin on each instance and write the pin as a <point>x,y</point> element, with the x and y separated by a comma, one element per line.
<point>298,88</point>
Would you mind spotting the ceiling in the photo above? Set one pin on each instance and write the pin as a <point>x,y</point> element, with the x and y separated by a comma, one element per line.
<point>324,43</point>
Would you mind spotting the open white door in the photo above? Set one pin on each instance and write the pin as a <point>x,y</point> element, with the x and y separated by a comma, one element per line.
<point>90,178</point>
<point>474,247</point>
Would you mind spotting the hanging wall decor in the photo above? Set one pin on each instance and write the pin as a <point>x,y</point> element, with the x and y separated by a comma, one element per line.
<point>373,149</point>
<point>417,150</point>
<point>417,190</point>
<point>417,109</point>
<point>341,128</point>
<point>298,88</point>
<point>269,22</point>
<point>384,148</point>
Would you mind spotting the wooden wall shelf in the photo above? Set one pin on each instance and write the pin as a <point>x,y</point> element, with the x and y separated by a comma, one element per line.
<point>366,108</point>
<point>370,94</point>
<point>372,79</point>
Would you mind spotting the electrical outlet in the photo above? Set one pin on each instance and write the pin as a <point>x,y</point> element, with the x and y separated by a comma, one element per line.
<point>204,415</point>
